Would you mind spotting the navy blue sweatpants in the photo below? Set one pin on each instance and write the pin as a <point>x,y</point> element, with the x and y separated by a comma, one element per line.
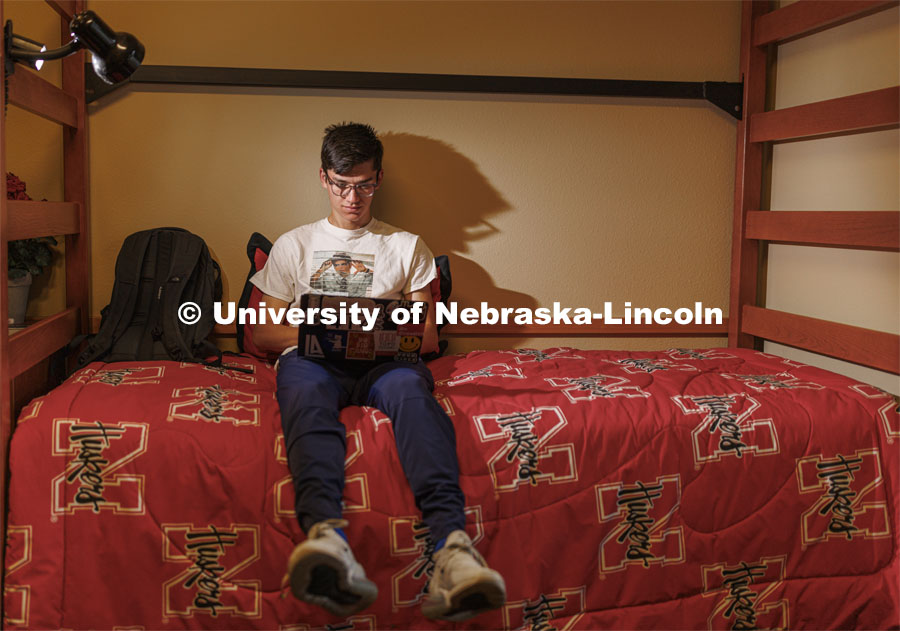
<point>311,395</point>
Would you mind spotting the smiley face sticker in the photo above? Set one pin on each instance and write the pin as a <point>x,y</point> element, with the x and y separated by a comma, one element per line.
<point>409,343</point>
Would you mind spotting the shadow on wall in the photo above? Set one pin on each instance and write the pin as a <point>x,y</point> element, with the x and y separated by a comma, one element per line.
<point>434,191</point>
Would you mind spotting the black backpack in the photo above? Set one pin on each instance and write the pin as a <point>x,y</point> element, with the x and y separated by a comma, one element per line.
<point>156,272</point>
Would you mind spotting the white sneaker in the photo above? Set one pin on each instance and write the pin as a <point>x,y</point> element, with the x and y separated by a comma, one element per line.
<point>462,585</point>
<point>323,571</point>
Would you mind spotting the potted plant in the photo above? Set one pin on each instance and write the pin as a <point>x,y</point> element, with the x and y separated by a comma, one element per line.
<point>25,258</point>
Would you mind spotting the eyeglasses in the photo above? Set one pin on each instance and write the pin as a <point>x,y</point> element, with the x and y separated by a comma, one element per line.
<point>343,188</point>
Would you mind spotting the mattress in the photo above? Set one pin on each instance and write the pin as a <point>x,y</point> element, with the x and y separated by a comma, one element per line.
<point>719,488</point>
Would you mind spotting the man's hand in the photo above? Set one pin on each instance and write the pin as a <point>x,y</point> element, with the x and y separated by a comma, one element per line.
<point>359,266</point>
<point>430,337</point>
<point>322,268</point>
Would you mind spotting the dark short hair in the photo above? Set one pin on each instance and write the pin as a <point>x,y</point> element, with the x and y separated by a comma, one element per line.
<point>349,144</point>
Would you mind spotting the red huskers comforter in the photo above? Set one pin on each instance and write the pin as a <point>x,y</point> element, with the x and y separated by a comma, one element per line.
<point>681,489</point>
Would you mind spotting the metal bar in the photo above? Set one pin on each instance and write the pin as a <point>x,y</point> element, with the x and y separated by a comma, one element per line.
<point>418,82</point>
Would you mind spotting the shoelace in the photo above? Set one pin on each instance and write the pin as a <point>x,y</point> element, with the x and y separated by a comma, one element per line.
<point>463,547</point>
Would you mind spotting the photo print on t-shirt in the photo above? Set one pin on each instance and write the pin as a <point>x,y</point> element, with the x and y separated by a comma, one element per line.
<point>341,273</point>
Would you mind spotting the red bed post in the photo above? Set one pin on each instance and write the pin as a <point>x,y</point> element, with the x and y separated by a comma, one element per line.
<point>5,377</point>
<point>40,339</point>
<point>745,253</point>
<point>75,168</point>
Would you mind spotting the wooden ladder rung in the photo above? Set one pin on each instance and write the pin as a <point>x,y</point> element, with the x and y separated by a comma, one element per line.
<point>38,96</point>
<point>41,219</point>
<point>864,230</point>
<point>40,340</point>
<point>65,8</point>
<point>867,111</point>
<point>866,347</point>
<point>809,16</point>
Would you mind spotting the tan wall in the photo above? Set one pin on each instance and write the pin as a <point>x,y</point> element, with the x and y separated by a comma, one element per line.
<point>536,199</point>
<point>857,172</point>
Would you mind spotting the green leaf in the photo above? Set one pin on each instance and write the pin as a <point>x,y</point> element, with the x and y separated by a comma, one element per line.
<point>29,254</point>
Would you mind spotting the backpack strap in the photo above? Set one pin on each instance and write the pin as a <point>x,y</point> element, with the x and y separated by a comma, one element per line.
<point>204,286</point>
<point>183,261</point>
<point>124,298</point>
<point>151,331</point>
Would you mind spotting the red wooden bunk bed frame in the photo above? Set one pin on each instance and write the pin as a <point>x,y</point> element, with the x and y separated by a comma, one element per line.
<point>24,354</point>
<point>753,227</point>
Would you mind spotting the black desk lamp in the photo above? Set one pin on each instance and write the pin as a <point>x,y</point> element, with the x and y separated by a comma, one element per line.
<point>116,55</point>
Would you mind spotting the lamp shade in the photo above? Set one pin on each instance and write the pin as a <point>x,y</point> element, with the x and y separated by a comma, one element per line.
<point>116,55</point>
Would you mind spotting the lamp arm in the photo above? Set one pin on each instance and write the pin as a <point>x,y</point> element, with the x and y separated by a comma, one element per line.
<point>56,53</point>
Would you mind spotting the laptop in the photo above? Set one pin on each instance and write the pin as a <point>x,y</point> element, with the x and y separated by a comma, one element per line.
<point>348,343</point>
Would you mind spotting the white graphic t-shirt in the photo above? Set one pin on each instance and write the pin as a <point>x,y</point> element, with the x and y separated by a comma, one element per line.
<point>375,261</point>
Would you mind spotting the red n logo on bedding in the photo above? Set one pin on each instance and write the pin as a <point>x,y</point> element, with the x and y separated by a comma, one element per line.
<point>890,417</point>
<point>781,381</point>
<point>526,455</point>
<point>726,428</point>
<point>538,613</point>
<point>410,537</point>
<point>746,593</point>
<point>637,365</point>
<point>533,355</point>
<point>214,404</point>
<point>356,485</point>
<point>889,412</point>
<point>222,371</point>
<point>132,376</point>
<point>580,389</point>
<point>494,370</point>
<point>283,490</point>
<point>213,557</point>
<point>689,353</point>
<point>849,497</point>
<point>445,402</point>
<point>97,451</point>
<point>16,597</point>
<point>641,513</point>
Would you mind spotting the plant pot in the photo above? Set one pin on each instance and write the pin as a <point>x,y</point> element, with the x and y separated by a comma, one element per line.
<point>17,293</point>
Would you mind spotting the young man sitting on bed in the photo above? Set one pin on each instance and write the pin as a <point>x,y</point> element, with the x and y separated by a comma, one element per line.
<point>384,262</point>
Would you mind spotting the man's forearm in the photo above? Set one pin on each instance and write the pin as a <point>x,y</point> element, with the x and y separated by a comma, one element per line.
<point>430,339</point>
<point>430,335</point>
<point>274,337</point>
